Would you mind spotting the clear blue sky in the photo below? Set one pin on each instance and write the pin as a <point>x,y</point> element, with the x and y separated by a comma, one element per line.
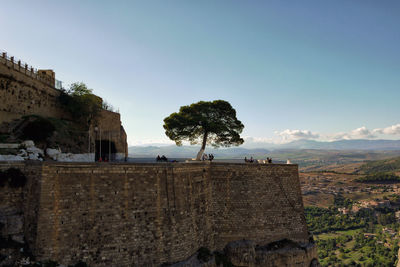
<point>291,69</point>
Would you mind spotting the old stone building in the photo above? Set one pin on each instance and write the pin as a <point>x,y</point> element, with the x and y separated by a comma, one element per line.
<point>27,91</point>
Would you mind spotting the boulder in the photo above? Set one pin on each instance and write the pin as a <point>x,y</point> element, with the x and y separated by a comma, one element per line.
<point>35,150</point>
<point>53,153</point>
<point>33,156</point>
<point>28,143</point>
<point>23,153</point>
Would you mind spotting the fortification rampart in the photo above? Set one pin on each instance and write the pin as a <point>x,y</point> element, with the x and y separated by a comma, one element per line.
<point>21,94</point>
<point>26,91</point>
<point>149,214</point>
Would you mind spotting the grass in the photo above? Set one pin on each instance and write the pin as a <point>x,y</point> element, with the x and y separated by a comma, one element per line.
<point>325,236</point>
<point>385,165</point>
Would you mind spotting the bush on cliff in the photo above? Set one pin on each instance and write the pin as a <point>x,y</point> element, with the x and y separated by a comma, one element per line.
<point>80,264</point>
<point>37,129</point>
<point>203,254</point>
<point>81,103</point>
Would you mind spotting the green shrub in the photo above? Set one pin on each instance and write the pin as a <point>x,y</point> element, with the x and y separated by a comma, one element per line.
<point>222,259</point>
<point>50,263</point>
<point>380,177</point>
<point>203,254</point>
<point>3,138</point>
<point>81,264</point>
<point>38,130</point>
<point>81,103</point>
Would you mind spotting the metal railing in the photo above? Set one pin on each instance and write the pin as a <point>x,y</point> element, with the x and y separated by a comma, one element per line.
<point>23,67</point>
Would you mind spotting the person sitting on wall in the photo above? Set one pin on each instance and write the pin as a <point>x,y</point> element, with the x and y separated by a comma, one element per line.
<point>158,158</point>
<point>205,157</point>
<point>164,158</point>
<point>251,160</point>
<point>245,159</point>
<point>211,157</point>
<point>105,159</point>
<point>270,160</point>
<point>100,159</point>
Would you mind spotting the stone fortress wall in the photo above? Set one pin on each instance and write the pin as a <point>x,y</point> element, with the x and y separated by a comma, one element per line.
<point>21,94</point>
<point>149,214</point>
<point>26,91</point>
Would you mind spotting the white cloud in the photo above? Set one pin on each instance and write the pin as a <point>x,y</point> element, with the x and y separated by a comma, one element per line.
<point>249,139</point>
<point>391,130</point>
<point>361,133</point>
<point>336,136</point>
<point>291,135</point>
<point>148,142</point>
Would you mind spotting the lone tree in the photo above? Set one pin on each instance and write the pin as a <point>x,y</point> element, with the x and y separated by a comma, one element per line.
<point>211,122</point>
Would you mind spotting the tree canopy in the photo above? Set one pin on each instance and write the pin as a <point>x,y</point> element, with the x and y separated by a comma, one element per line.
<point>82,104</point>
<point>205,122</point>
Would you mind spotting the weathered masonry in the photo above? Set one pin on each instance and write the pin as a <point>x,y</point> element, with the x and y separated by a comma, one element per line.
<point>149,214</point>
<point>26,91</point>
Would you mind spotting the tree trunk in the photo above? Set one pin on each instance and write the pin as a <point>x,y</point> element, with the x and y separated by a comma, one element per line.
<point>203,147</point>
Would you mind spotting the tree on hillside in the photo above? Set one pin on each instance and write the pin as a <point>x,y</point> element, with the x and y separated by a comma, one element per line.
<point>81,103</point>
<point>212,122</point>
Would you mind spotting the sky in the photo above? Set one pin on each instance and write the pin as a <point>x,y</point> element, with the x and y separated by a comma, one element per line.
<point>320,70</point>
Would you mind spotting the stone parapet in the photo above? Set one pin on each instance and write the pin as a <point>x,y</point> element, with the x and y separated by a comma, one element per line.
<point>116,214</point>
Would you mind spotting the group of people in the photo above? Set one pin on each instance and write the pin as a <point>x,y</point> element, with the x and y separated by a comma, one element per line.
<point>103,160</point>
<point>251,160</point>
<point>162,158</point>
<point>209,157</point>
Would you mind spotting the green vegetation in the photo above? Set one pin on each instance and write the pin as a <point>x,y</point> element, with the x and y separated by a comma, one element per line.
<point>357,250</point>
<point>203,254</point>
<point>379,177</point>
<point>4,138</point>
<point>222,259</point>
<point>321,220</point>
<point>69,136</point>
<point>356,239</point>
<point>381,166</point>
<point>203,122</point>
<point>81,103</point>
<point>37,128</point>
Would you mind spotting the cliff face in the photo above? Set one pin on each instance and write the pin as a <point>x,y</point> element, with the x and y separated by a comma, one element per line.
<point>151,214</point>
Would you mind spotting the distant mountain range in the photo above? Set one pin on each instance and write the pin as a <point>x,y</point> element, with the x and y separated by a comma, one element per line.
<point>361,144</point>
<point>264,149</point>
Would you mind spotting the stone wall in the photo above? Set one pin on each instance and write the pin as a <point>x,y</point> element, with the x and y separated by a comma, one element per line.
<point>22,94</point>
<point>258,202</point>
<point>111,129</point>
<point>148,214</point>
<point>19,206</point>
